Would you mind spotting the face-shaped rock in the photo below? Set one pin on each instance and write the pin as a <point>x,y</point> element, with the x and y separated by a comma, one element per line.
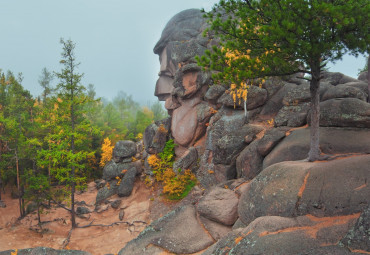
<point>181,83</point>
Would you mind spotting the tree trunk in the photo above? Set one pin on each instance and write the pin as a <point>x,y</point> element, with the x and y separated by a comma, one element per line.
<point>314,152</point>
<point>1,185</point>
<point>368,79</point>
<point>73,184</point>
<point>38,214</point>
<point>18,186</point>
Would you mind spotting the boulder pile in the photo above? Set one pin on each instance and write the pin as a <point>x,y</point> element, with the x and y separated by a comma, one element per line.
<point>260,195</point>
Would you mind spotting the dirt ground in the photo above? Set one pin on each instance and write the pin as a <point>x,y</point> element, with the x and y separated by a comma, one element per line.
<point>94,239</point>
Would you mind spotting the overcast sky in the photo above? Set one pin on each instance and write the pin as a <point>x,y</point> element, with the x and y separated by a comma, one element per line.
<point>114,41</point>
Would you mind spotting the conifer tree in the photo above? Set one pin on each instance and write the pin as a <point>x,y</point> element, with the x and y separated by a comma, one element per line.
<point>68,143</point>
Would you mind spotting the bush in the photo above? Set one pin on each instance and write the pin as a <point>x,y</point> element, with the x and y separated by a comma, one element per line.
<point>176,185</point>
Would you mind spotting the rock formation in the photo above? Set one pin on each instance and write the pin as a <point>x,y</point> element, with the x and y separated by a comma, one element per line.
<point>260,197</point>
<point>119,173</point>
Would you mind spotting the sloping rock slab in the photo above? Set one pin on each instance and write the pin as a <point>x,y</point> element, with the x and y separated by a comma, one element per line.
<point>332,141</point>
<point>179,232</point>
<point>249,162</point>
<point>282,236</point>
<point>220,205</point>
<point>337,187</point>
<point>44,251</point>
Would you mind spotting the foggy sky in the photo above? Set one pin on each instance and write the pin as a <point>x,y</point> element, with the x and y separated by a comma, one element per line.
<point>114,41</point>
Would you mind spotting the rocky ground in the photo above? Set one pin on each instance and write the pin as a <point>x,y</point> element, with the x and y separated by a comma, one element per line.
<point>95,240</point>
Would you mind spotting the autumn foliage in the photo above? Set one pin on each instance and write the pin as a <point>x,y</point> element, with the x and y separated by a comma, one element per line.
<point>107,150</point>
<point>176,184</point>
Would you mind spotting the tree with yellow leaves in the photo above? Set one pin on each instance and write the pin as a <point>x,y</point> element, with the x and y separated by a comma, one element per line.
<point>107,150</point>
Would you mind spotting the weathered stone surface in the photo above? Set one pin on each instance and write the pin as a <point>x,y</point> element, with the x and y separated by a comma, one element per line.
<point>123,149</point>
<point>216,230</point>
<point>44,251</point>
<point>179,232</point>
<point>112,169</point>
<point>107,191</point>
<point>121,214</point>
<point>127,183</point>
<point>116,203</point>
<point>337,78</point>
<point>272,85</point>
<point>344,91</point>
<point>210,174</point>
<point>275,103</point>
<point>189,121</point>
<point>214,92</point>
<point>256,97</point>
<point>363,76</point>
<point>189,80</point>
<point>156,135</point>
<point>358,237</point>
<point>187,161</point>
<point>2,204</point>
<point>226,135</point>
<point>182,27</point>
<point>280,235</point>
<point>297,95</point>
<point>219,205</point>
<point>345,112</point>
<point>271,138</point>
<point>321,189</point>
<point>292,116</point>
<point>82,210</point>
<point>249,162</point>
<point>332,141</point>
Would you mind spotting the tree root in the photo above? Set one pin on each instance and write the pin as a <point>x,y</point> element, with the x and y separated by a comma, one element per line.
<point>130,224</point>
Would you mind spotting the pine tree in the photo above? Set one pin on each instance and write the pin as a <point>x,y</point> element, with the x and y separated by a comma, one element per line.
<point>68,146</point>
<point>278,38</point>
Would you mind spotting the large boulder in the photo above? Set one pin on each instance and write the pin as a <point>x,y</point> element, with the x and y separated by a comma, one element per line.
<point>177,232</point>
<point>337,78</point>
<point>220,205</point>
<point>214,93</point>
<point>344,91</point>
<point>112,169</point>
<point>332,141</point>
<point>123,150</point>
<point>292,115</point>
<point>345,112</point>
<point>127,183</point>
<point>321,189</point>
<point>225,136</point>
